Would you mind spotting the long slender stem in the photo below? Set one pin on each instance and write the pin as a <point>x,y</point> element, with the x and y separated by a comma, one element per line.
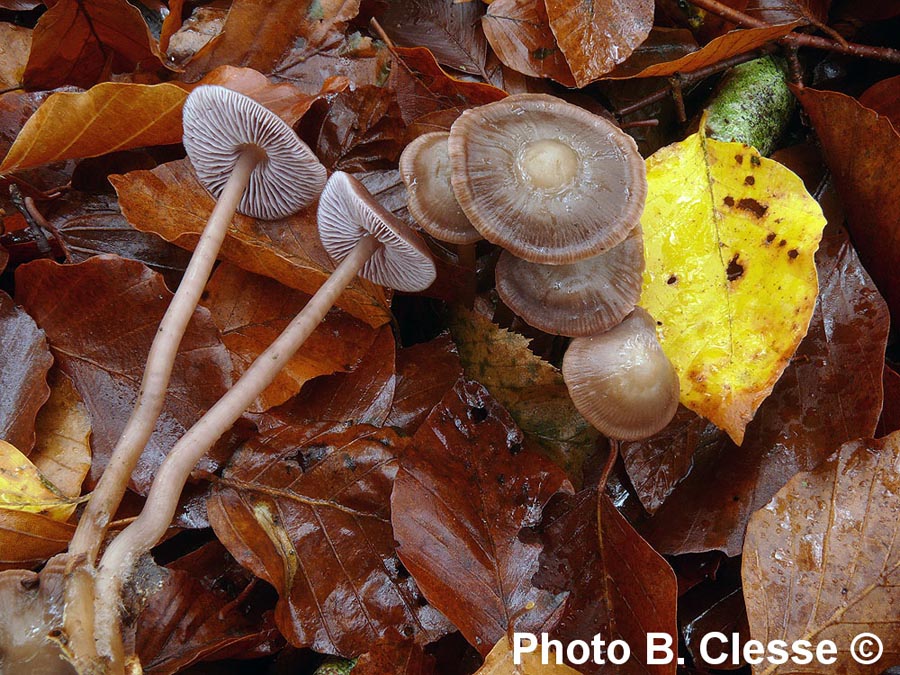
<point>139,537</point>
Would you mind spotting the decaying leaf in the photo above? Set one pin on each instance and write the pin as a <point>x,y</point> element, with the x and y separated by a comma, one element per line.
<point>464,493</point>
<point>884,98</point>
<point>821,560</point>
<point>170,202</point>
<point>501,661</point>
<point>395,658</point>
<point>531,390</point>
<point>24,362</point>
<point>308,510</point>
<point>15,43</point>
<point>729,240</point>
<point>24,489</point>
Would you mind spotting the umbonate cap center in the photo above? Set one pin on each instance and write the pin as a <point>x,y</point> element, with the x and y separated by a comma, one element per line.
<point>548,164</point>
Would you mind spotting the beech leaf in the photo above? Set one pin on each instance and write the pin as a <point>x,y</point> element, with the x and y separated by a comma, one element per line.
<point>15,43</point>
<point>729,240</point>
<point>23,488</point>
<point>500,661</point>
<point>821,561</point>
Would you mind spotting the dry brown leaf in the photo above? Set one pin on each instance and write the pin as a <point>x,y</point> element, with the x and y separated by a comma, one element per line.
<point>15,43</point>
<point>251,310</point>
<point>170,202</point>
<point>519,31</point>
<point>821,560</point>
<point>63,449</point>
<point>595,35</point>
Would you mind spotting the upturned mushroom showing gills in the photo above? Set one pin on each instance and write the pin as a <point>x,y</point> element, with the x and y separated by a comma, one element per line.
<point>621,381</point>
<point>425,169</point>
<point>545,179</point>
<point>253,162</point>
<point>578,299</point>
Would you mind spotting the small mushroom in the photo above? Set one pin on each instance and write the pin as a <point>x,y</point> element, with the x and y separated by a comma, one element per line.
<point>366,239</point>
<point>621,381</point>
<point>545,179</point>
<point>425,169</point>
<point>579,299</point>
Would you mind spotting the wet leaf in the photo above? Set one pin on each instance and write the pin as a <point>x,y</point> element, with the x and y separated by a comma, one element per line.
<point>250,311</point>
<point>308,510</point>
<point>862,149</point>
<point>530,388</point>
<point>884,98</point>
<point>422,87</point>
<point>661,46</point>
<point>519,32</point>
<point>206,609</point>
<point>889,421</point>
<point>80,43</point>
<point>395,658</point>
<point>820,560</point>
<point>24,363</point>
<point>100,317</point>
<point>596,35</point>
<point>782,11</point>
<point>15,43</point>
<point>450,30</point>
<point>729,240</point>
<point>63,427</point>
<point>23,489</point>
<point>501,661</point>
<point>357,58</point>
<point>465,491</point>
<point>169,201</point>
<point>29,539</point>
<point>620,587</point>
<point>258,39</point>
<point>829,394</point>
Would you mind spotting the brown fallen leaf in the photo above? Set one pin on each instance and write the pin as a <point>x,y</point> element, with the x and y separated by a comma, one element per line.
<point>169,201</point>
<point>24,362</point>
<point>422,87</point>
<point>250,311</point>
<point>395,658</point>
<point>862,149</point>
<point>530,388</point>
<point>80,43</point>
<point>29,539</point>
<point>258,35</point>
<point>465,492</point>
<point>595,35</point>
<point>619,586</point>
<point>450,30</point>
<point>829,393</point>
<point>15,43</point>
<point>63,429</point>
<point>661,46</point>
<point>519,32</point>
<point>356,58</point>
<point>501,661</point>
<point>100,317</point>
<point>723,47</point>
<point>308,510</point>
<point>884,98</point>
<point>821,561</point>
<point>784,11</point>
<point>889,422</point>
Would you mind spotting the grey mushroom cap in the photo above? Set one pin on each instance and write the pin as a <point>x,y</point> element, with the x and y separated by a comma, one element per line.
<point>546,180</point>
<point>425,169</point>
<point>621,381</point>
<point>578,299</point>
<point>348,212</point>
<point>220,124</point>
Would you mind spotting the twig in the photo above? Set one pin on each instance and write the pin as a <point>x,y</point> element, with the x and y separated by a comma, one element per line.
<point>40,239</point>
<point>47,225</point>
<point>675,87</point>
<point>610,463</point>
<point>653,122</point>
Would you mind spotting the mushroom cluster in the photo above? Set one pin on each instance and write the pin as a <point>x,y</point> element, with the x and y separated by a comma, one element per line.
<point>561,190</point>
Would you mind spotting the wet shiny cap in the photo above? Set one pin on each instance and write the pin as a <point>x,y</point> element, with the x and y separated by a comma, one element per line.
<point>621,381</point>
<point>219,124</point>
<point>578,299</point>
<point>348,212</point>
<point>545,179</point>
<point>425,169</point>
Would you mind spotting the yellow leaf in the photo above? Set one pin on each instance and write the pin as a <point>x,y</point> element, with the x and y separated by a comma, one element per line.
<point>23,488</point>
<point>500,662</point>
<point>730,239</point>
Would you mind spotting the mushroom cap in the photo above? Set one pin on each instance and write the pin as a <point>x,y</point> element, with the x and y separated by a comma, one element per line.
<point>545,179</point>
<point>578,299</point>
<point>219,124</point>
<point>348,212</point>
<point>621,381</point>
<point>425,169</point>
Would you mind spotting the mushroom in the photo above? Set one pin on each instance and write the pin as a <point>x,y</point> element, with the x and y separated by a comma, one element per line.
<point>365,239</point>
<point>252,162</point>
<point>545,179</point>
<point>425,169</point>
<point>578,299</point>
<point>621,381</point>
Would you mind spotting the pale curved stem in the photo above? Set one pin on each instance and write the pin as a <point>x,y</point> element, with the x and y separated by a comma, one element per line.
<point>143,534</point>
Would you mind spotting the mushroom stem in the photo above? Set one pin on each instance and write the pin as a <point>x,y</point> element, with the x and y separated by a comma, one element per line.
<point>160,361</point>
<point>149,527</point>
